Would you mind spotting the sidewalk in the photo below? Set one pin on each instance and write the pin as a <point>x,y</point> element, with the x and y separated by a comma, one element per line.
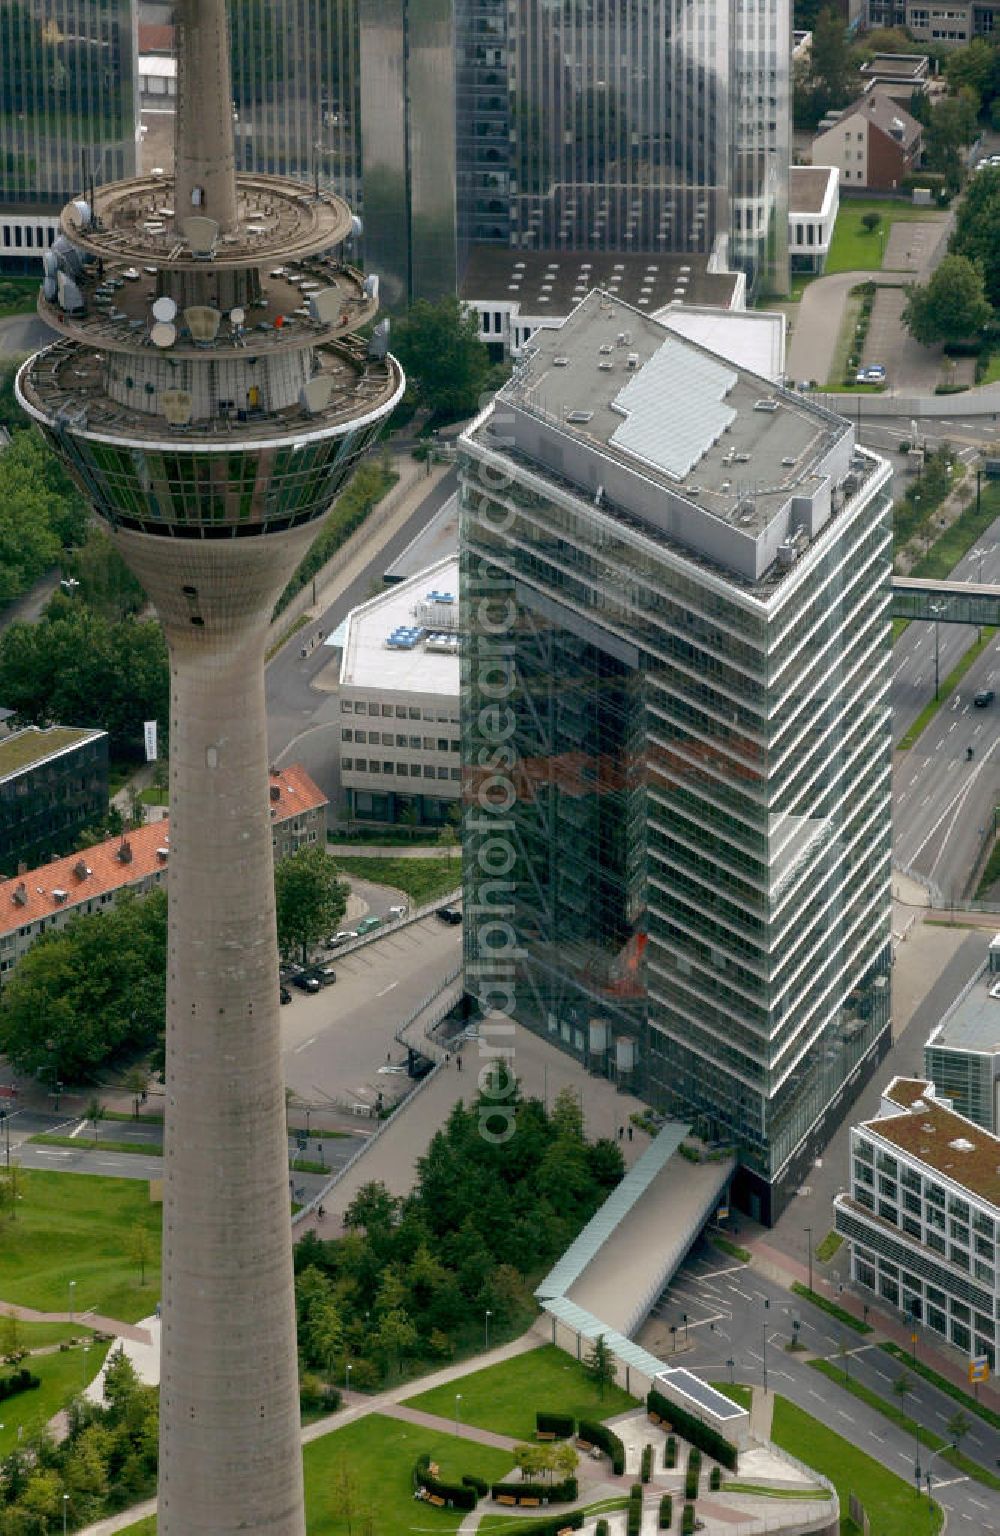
<point>391,851</point>
<point>84,1319</point>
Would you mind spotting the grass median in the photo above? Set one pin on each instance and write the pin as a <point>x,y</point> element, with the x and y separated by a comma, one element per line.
<point>899,1417</point>
<point>968,1402</point>
<point>88,1144</point>
<point>947,688</point>
<point>831,1307</point>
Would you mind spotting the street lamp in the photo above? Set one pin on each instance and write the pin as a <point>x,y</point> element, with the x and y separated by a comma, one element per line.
<point>809,1235</point>
<point>937,609</point>
<point>65,1504</point>
<point>732,1367</point>
<point>72,1291</point>
<point>927,1469</point>
<point>347,1383</point>
<point>458,1402</point>
<point>764,1348</point>
<point>489,1314</point>
<point>5,1127</point>
<point>86,1352</point>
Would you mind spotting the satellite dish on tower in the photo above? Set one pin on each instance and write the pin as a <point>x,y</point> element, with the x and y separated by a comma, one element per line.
<point>178,406</point>
<point>164,309</point>
<point>163,334</point>
<point>203,322</point>
<point>237,316</point>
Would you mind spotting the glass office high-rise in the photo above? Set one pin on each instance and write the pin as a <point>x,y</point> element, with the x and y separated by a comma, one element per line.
<point>68,112</point>
<point>677,745</point>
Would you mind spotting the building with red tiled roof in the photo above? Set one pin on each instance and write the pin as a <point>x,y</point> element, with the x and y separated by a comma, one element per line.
<point>923,1215</point>
<point>39,900</point>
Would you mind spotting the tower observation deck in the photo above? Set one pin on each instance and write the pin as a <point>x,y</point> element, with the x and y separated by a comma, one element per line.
<point>209,393</point>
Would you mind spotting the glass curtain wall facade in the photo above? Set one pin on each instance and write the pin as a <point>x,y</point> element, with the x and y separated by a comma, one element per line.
<point>297,90</point>
<point>68,108</point>
<point>695,786</point>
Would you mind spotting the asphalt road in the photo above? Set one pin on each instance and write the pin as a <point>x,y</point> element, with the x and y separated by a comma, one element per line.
<point>735,1314</point>
<point>943,801</point>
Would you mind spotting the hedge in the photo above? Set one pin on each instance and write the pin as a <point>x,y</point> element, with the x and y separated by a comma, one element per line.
<point>647,1463</point>
<point>20,1381</point>
<point>553,1493</point>
<point>715,1479</point>
<point>480,1484</point>
<point>693,1473</point>
<point>601,1528</point>
<point>701,1435</point>
<point>670,1451</point>
<point>558,1424</point>
<point>457,1495</point>
<point>634,1521</point>
<point>574,1518</point>
<point>687,1521</point>
<point>666,1512</point>
<point>606,1440</point>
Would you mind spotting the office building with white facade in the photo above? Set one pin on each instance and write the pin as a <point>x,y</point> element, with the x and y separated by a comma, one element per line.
<point>923,1215</point>
<point>398,701</point>
<point>962,1053</point>
<point>676,582</point>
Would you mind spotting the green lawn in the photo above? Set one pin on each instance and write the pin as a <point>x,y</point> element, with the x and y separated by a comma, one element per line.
<point>76,1226</point>
<point>852,248</point>
<point>828,1247</point>
<point>505,1397</point>
<point>960,536</point>
<point>380,1454</point>
<point>422,880</point>
<point>888,1499</point>
<point>62,1377</point>
<point>37,1335</point>
<point>18,296</point>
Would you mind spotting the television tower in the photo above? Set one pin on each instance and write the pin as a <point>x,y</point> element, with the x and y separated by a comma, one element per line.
<point>210,397</point>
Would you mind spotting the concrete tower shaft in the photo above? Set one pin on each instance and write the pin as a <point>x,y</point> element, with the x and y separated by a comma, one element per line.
<point>209,396</point>
<point>204,155</point>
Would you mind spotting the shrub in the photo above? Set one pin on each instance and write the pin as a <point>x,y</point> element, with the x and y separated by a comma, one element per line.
<point>601,1529</point>
<point>554,1493</point>
<point>666,1512</point>
<point>647,1463</point>
<point>634,1521</point>
<point>573,1519</point>
<point>670,1451</point>
<point>701,1435</point>
<point>456,1495</point>
<point>715,1479</point>
<point>687,1521</point>
<point>558,1424</point>
<point>607,1441</point>
<point>19,1381</point>
<point>693,1473</point>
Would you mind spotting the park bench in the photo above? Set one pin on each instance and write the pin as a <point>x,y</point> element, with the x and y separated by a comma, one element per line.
<point>545,1434</point>
<point>436,1500</point>
<point>529,1503</point>
<point>434,1469</point>
<point>584,1445</point>
<point>654,1418</point>
<point>506,1498</point>
<point>567,1530</point>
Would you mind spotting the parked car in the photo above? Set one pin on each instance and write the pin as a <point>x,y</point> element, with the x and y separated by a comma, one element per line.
<point>367,924</point>
<point>984,698</point>
<point>324,974</point>
<point>340,938</point>
<point>449,914</point>
<point>284,995</point>
<point>306,982</point>
<point>397,911</point>
<point>873,374</point>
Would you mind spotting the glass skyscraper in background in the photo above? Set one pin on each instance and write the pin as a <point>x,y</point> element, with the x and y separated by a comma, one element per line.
<point>676,734</point>
<point>68,113</point>
<point>632,125</point>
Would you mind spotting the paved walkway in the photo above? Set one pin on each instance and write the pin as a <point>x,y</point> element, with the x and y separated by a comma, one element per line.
<point>384,851</point>
<point>85,1319</point>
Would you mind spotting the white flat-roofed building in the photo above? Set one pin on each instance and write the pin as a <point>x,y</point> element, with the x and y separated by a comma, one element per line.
<point>923,1215</point>
<point>962,1053</point>
<point>399,729</point>
<point>813,201</point>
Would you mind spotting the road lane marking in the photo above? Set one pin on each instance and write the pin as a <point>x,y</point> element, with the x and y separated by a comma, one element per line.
<point>306,1044</point>
<point>387,989</point>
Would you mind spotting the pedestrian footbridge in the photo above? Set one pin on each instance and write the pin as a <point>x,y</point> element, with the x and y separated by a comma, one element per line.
<point>945,602</point>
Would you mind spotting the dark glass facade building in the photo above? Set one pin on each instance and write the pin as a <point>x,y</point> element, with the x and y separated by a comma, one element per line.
<point>68,113</point>
<point>53,784</point>
<point>677,745</point>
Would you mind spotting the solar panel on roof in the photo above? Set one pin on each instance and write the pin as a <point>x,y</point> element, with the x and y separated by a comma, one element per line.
<point>674,408</point>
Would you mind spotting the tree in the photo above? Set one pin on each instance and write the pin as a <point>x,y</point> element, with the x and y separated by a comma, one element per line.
<point>971,67</point>
<point>95,1110</point>
<point>137,1084</point>
<point>10,1338</point>
<point>140,1249</point>
<point>310,898</point>
<point>832,73</point>
<point>600,1365</point>
<point>325,1335</point>
<point>958,1427</point>
<point>952,124</point>
<point>870,222</point>
<point>977,228</point>
<point>344,1495</point>
<point>395,1336</point>
<point>445,362</point>
<point>42,1497</point>
<point>951,307</point>
<point>95,987</point>
<point>902,1386</point>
